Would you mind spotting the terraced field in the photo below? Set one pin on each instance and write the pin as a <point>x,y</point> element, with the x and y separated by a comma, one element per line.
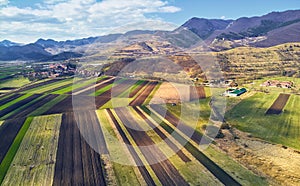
<point>55,133</point>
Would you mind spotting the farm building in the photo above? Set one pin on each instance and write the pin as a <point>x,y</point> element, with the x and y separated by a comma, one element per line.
<point>235,92</point>
<point>276,83</point>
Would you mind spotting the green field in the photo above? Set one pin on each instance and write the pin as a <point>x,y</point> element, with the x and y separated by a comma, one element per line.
<point>35,159</point>
<point>249,116</point>
<point>78,85</point>
<point>50,87</point>
<point>15,82</point>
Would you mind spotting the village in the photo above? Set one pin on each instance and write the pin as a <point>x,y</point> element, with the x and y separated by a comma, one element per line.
<point>52,70</point>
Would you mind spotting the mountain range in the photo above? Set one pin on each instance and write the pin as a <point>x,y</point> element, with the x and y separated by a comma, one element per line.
<point>260,31</point>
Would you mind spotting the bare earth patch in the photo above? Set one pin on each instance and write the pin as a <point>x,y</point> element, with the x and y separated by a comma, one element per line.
<point>171,93</point>
<point>278,163</point>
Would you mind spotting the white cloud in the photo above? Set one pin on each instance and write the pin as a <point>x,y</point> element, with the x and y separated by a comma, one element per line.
<point>3,2</point>
<point>222,17</point>
<point>170,9</point>
<point>67,19</point>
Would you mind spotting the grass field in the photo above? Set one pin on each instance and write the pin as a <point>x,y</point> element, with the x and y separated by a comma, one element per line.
<point>242,174</point>
<point>15,82</point>
<point>249,116</point>
<point>35,159</point>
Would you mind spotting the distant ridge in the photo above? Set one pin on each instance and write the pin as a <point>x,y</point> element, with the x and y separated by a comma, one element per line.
<point>260,31</point>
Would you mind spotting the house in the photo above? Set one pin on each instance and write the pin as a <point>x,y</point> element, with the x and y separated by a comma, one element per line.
<point>234,92</point>
<point>276,83</point>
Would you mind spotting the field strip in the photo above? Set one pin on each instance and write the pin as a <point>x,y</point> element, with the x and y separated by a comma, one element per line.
<point>186,168</point>
<point>169,140</point>
<point>163,168</point>
<point>15,131</point>
<point>118,152</point>
<point>47,87</point>
<point>108,87</point>
<point>147,172</point>
<point>10,98</point>
<point>231,166</point>
<point>82,83</point>
<point>93,86</point>
<point>76,162</point>
<point>192,147</point>
<point>14,101</point>
<point>6,96</point>
<point>39,84</point>
<point>140,99</point>
<point>164,132</point>
<point>47,106</point>
<point>120,94</point>
<point>130,93</point>
<point>26,109</point>
<point>279,104</point>
<point>152,93</point>
<point>17,106</point>
<point>34,161</point>
<point>140,90</point>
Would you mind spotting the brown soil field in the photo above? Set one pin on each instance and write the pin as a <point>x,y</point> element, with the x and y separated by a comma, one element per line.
<point>10,98</point>
<point>30,108</point>
<point>9,129</point>
<point>147,177</point>
<point>88,123</point>
<point>135,91</point>
<point>82,103</point>
<point>177,93</point>
<point>18,104</point>
<point>177,150</point>
<point>279,104</point>
<point>76,162</point>
<point>164,170</point>
<point>197,93</point>
<point>168,93</point>
<point>139,100</point>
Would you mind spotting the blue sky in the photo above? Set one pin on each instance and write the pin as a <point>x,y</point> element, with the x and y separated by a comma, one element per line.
<point>27,20</point>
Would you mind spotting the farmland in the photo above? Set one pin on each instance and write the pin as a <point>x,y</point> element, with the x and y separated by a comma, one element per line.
<point>249,115</point>
<point>278,105</point>
<point>122,131</point>
<point>34,161</point>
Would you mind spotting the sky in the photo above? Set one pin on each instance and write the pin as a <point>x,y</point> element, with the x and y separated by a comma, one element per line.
<point>25,21</point>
